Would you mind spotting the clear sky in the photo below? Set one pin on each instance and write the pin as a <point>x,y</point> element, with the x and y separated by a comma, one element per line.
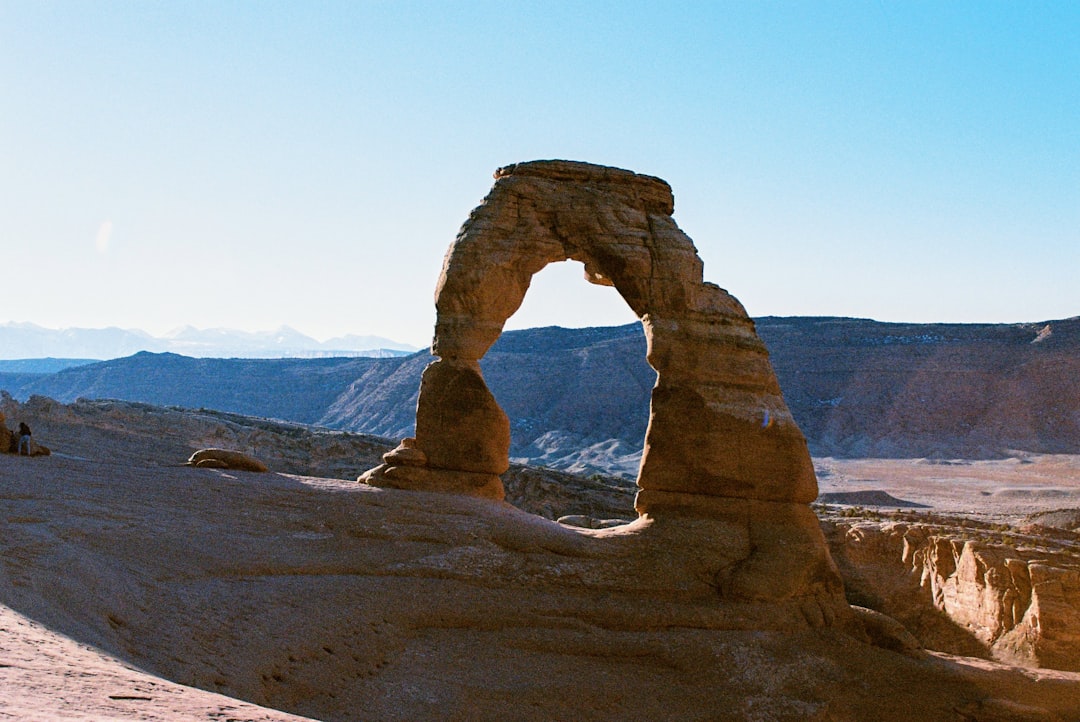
<point>253,164</point>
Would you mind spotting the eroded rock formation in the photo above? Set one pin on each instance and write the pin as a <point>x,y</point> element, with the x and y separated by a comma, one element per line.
<point>964,595</point>
<point>721,444</point>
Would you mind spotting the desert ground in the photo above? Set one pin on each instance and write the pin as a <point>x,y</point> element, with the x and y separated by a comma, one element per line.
<point>133,587</point>
<point>998,490</point>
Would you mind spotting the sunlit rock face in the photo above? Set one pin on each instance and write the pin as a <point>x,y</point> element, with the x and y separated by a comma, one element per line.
<point>721,442</point>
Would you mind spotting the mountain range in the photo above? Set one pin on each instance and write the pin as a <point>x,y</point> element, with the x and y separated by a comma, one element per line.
<point>26,341</point>
<point>578,399</point>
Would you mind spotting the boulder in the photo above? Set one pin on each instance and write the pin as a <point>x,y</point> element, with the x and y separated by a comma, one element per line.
<point>225,459</point>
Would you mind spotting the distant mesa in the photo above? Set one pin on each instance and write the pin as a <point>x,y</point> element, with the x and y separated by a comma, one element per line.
<point>1033,493</point>
<point>869,497</point>
<point>1068,519</point>
<point>578,399</point>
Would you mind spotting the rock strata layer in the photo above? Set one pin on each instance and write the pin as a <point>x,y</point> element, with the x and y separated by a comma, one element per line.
<point>721,443</point>
<point>966,596</point>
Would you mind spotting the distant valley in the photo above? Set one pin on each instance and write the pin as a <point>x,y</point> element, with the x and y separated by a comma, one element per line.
<point>578,398</point>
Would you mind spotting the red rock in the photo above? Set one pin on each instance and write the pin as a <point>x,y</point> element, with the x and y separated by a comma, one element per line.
<point>721,441</point>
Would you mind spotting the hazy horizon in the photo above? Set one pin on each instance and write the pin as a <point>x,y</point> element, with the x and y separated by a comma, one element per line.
<point>191,327</point>
<point>424,344</point>
<point>251,166</point>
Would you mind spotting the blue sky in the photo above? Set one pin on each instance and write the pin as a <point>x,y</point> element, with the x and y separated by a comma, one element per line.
<point>253,164</point>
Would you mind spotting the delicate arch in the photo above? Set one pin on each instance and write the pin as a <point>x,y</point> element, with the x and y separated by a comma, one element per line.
<point>718,425</point>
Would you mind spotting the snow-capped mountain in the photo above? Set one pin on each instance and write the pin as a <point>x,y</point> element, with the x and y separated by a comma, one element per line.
<point>27,340</point>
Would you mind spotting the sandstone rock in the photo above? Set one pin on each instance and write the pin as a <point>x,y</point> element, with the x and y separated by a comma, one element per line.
<point>721,443</point>
<point>1004,710</point>
<point>712,368</point>
<point>405,454</point>
<point>487,486</point>
<point>965,596</point>
<point>459,425</point>
<point>886,632</point>
<point>583,521</point>
<point>340,602</point>
<point>579,520</point>
<point>225,459</point>
<point>1048,634</point>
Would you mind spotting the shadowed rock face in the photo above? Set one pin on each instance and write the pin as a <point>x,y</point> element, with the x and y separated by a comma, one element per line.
<point>1017,604</point>
<point>721,442</point>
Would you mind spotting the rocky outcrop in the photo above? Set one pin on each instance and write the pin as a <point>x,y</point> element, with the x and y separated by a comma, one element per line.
<point>721,444</point>
<point>226,459</point>
<point>966,595</point>
<point>9,440</point>
<point>343,602</point>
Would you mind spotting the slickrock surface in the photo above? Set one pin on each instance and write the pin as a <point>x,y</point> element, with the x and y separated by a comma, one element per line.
<point>142,434</point>
<point>45,676</point>
<point>339,601</point>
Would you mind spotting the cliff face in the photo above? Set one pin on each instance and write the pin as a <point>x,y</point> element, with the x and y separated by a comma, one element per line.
<point>864,389</point>
<point>960,593</point>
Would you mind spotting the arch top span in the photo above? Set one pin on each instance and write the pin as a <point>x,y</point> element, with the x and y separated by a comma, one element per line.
<point>615,222</point>
<point>655,192</point>
<point>718,424</point>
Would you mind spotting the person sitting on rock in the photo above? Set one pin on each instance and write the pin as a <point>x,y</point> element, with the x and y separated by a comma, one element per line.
<point>24,439</point>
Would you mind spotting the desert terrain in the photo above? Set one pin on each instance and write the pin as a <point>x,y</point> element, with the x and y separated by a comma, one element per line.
<point>1005,491</point>
<point>578,399</point>
<point>133,587</point>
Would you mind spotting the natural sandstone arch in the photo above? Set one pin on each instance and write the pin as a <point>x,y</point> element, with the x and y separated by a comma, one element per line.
<point>718,425</point>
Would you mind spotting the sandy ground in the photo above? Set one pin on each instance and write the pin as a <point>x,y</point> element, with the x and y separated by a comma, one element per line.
<point>1000,491</point>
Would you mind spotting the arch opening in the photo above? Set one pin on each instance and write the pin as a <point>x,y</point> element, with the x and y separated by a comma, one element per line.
<point>705,439</point>
<point>559,295</point>
<point>576,394</point>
